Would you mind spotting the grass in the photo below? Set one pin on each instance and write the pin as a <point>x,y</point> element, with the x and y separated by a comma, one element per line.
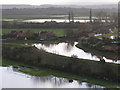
<point>109,55</point>
<point>60,60</point>
<point>58,32</point>
<point>6,62</point>
<point>109,34</point>
<point>35,71</point>
<point>16,45</point>
<point>28,41</point>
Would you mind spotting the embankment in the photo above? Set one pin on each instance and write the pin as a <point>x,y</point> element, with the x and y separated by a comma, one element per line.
<point>109,55</point>
<point>40,58</point>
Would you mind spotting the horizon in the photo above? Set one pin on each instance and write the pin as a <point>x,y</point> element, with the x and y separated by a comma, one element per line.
<point>66,4</point>
<point>55,2</point>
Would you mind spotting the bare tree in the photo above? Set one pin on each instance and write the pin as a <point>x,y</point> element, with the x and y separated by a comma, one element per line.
<point>114,18</point>
<point>71,16</point>
<point>84,29</point>
<point>102,15</point>
<point>29,33</point>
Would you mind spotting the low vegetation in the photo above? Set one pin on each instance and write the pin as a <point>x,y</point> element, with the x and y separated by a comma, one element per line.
<point>28,41</point>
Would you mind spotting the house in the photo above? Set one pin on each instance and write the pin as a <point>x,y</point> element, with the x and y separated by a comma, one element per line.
<point>11,38</point>
<point>18,33</point>
<point>15,35</point>
<point>43,35</point>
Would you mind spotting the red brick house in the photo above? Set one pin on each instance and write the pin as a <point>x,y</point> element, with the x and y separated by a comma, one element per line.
<point>15,35</point>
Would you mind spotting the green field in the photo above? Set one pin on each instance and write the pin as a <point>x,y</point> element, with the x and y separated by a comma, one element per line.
<point>58,32</point>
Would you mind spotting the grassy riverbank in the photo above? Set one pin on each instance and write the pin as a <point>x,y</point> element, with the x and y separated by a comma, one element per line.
<point>34,57</point>
<point>35,71</point>
<point>109,55</point>
<point>28,41</point>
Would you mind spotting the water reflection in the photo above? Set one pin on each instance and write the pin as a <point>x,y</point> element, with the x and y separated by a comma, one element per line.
<point>13,79</point>
<point>69,49</point>
<point>56,20</point>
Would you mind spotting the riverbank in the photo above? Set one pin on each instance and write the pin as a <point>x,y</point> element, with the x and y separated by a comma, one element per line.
<point>109,55</point>
<point>40,71</point>
<point>29,41</point>
<point>35,57</point>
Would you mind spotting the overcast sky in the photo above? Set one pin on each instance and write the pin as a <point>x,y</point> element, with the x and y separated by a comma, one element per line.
<point>58,2</point>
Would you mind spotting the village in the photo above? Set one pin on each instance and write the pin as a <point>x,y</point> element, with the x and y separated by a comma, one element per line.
<point>91,40</point>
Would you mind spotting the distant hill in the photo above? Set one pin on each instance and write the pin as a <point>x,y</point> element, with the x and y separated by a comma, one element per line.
<point>60,6</point>
<point>44,11</point>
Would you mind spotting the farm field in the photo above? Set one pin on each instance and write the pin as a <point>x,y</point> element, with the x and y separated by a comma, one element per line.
<point>58,32</point>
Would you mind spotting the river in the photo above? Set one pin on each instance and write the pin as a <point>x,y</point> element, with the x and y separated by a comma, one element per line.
<point>13,79</point>
<point>69,49</point>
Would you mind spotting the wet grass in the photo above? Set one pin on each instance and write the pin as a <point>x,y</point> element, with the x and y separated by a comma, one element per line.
<point>28,41</point>
<point>107,54</point>
<point>35,71</point>
<point>6,62</point>
<point>16,45</point>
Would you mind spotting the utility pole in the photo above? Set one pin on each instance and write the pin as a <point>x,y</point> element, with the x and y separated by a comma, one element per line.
<point>71,17</point>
